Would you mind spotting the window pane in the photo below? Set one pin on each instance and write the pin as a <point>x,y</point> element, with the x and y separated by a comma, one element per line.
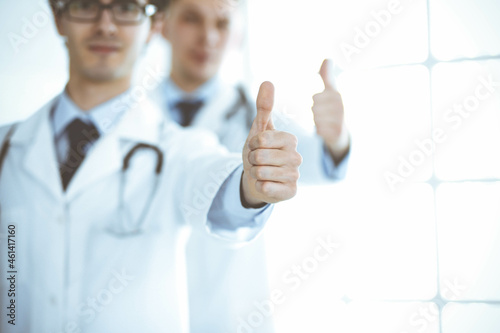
<point>466,318</point>
<point>466,100</point>
<point>464,28</point>
<point>387,243</point>
<point>369,33</point>
<point>293,35</point>
<point>391,250</point>
<point>469,241</point>
<point>388,113</point>
<point>376,317</point>
<point>386,249</point>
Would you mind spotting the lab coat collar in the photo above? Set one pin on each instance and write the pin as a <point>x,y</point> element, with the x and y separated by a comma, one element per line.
<point>104,116</point>
<point>142,123</point>
<point>214,110</point>
<point>36,136</point>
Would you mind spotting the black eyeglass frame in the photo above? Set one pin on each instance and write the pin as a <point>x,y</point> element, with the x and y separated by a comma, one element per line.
<point>148,10</point>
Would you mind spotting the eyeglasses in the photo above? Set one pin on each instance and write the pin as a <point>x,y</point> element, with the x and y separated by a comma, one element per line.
<point>123,12</point>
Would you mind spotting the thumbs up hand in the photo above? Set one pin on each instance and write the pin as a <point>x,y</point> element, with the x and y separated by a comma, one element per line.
<point>328,110</point>
<point>270,159</point>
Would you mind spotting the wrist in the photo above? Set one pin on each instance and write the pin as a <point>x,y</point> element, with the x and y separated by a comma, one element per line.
<point>340,147</point>
<point>246,198</point>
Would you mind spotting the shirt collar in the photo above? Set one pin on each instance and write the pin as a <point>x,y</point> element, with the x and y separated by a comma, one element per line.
<point>174,94</point>
<point>104,116</point>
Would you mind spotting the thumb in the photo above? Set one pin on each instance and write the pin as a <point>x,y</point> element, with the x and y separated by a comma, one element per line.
<point>327,75</point>
<point>265,101</point>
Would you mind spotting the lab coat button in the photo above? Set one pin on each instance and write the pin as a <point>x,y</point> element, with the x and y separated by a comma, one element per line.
<point>53,300</point>
<point>60,219</point>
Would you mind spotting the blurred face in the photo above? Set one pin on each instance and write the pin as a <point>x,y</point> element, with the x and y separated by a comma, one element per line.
<point>103,50</point>
<point>198,31</point>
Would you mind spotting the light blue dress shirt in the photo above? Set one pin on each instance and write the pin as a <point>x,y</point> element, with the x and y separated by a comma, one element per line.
<point>105,118</point>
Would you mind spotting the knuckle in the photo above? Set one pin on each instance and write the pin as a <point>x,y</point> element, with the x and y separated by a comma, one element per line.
<point>251,157</point>
<point>262,139</point>
<point>299,159</point>
<point>293,140</point>
<point>259,157</point>
<point>266,188</point>
<point>269,136</point>
<point>259,172</point>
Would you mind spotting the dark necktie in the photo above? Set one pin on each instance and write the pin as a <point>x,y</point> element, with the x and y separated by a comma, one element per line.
<point>188,111</point>
<point>81,136</point>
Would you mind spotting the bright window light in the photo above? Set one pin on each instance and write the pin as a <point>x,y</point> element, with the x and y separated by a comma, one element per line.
<point>469,251</point>
<point>377,317</point>
<point>466,102</point>
<point>464,28</point>
<point>465,318</point>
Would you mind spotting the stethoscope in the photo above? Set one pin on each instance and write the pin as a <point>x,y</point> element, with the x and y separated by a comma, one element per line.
<point>242,101</point>
<point>124,226</point>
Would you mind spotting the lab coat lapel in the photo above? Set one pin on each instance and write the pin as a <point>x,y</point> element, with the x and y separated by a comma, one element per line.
<point>141,124</point>
<point>212,115</point>
<point>36,137</point>
<point>157,96</point>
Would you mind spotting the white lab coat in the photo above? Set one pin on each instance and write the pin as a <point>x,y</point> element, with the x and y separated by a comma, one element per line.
<point>73,275</point>
<point>232,280</point>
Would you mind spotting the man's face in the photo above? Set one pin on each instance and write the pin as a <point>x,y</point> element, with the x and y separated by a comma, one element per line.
<point>104,50</point>
<point>198,31</point>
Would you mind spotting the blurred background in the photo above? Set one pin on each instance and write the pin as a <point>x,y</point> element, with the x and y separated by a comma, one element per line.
<point>411,239</point>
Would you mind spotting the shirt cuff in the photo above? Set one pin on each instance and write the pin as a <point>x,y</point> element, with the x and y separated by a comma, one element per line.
<point>228,219</point>
<point>332,170</point>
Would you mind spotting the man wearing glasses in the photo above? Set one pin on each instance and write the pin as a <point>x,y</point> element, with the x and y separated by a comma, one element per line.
<point>88,256</point>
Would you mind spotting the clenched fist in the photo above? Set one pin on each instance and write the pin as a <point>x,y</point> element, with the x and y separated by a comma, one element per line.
<point>270,159</point>
<point>328,110</point>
